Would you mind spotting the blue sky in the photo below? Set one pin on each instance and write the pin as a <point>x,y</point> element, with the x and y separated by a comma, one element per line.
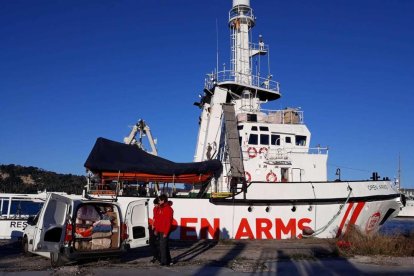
<point>72,71</point>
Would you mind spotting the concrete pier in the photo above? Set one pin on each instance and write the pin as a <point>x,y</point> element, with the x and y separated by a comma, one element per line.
<point>205,257</point>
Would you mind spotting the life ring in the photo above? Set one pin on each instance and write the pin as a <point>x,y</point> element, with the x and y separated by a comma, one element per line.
<point>263,150</point>
<point>271,177</point>
<point>252,152</point>
<point>247,176</point>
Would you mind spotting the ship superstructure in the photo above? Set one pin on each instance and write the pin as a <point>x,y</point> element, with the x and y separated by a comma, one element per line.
<point>254,144</point>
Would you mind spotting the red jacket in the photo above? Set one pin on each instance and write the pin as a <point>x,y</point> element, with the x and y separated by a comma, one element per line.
<point>154,215</point>
<point>163,218</point>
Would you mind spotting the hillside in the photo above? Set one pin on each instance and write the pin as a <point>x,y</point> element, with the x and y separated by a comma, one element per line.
<point>19,179</point>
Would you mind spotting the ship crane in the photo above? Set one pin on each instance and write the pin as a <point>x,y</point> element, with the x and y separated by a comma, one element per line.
<point>141,129</point>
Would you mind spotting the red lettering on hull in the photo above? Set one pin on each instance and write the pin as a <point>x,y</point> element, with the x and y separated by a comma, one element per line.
<point>203,228</point>
<point>263,229</point>
<point>206,227</point>
<point>244,230</point>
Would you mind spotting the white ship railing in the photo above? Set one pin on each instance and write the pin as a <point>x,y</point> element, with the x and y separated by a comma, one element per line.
<point>241,12</point>
<point>258,47</point>
<point>240,78</point>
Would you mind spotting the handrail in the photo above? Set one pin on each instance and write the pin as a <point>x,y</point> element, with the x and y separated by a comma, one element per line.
<point>241,11</point>
<point>241,78</point>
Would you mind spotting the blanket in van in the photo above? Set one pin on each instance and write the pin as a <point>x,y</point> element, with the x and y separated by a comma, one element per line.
<point>128,162</point>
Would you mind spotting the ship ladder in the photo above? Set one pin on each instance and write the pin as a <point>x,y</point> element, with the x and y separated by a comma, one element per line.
<point>237,181</point>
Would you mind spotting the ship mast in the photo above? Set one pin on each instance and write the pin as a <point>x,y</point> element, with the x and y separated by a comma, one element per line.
<point>241,21</point>
<point>239,85</point>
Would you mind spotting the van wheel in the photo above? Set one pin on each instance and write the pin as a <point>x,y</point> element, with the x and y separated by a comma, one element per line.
<point>25,245</point>
<point>56,259</point>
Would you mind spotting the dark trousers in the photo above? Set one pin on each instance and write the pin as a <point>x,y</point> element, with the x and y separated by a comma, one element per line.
<point>164,249</point>
<point>155,245</point>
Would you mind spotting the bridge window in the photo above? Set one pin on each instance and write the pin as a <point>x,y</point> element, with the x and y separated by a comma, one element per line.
<point>263,128</point>
<point>5,206</point>
<point>264,139</point>
<point>251,117</point>
<point>288,140</point>
<point>254,128</point>
<point>300,140</point>
<point>253,139</point>
<point>275,140</point>
<point>239,127</point>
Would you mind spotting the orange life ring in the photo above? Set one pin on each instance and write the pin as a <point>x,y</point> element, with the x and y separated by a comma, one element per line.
<point>252,152</point>
<point>262,150</point>
<point>247,176</point>
<point>271,177</point>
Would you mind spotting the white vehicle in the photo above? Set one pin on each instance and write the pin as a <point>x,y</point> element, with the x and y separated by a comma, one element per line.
<point>72,227</point>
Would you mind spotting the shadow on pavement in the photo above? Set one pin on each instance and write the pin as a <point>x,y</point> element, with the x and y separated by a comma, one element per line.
<point>213,267</point>
<point>8,248</point>
<point>195,250</point>
<point>314,261</point>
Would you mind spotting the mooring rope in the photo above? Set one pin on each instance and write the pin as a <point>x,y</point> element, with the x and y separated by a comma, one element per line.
<point>320,230</point>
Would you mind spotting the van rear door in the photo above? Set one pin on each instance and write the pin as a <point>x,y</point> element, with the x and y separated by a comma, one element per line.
<point>136,220</point>
<point>51,226</point>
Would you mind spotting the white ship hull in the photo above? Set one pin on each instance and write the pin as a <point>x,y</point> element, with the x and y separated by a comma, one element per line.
<point>328,212</point>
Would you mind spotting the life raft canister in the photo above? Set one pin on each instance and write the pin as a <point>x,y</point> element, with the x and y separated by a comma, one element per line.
<point>247,176</point>
<point>252,152</point>
<point>271,177</point>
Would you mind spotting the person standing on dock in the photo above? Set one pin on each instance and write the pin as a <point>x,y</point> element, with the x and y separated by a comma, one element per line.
<point>163,223</point>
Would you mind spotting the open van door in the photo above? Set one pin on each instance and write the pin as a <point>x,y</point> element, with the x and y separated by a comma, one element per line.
<point>136,220</point>
<point>51,226</point>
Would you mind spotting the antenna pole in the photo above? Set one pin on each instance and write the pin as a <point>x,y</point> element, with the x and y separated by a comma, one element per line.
<point>217,47</point>
<point>399,172</point>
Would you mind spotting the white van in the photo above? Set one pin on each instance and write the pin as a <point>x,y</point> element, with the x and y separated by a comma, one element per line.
<point>71,227</point>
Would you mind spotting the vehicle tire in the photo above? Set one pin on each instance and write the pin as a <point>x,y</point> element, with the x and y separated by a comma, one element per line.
<point>25,246</point>
<point>56,259</point>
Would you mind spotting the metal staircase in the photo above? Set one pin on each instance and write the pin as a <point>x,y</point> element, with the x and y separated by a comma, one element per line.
<point>238,181</point>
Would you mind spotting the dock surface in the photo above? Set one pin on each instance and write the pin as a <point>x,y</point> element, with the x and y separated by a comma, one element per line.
<point>206,257</point>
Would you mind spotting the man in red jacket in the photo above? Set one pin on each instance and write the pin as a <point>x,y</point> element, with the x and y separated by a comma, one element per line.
<point>163,225</point>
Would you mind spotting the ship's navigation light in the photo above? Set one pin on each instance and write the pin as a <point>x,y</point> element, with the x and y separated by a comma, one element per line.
<point>338,173</point>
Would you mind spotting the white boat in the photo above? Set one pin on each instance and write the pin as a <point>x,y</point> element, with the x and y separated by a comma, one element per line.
<point>15,209</point>
<point>273,184</point>
<point>407,210</point>
<point>407,203</point>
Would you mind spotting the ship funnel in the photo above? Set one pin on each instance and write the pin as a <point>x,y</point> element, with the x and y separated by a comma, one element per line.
<point>241,2</point>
